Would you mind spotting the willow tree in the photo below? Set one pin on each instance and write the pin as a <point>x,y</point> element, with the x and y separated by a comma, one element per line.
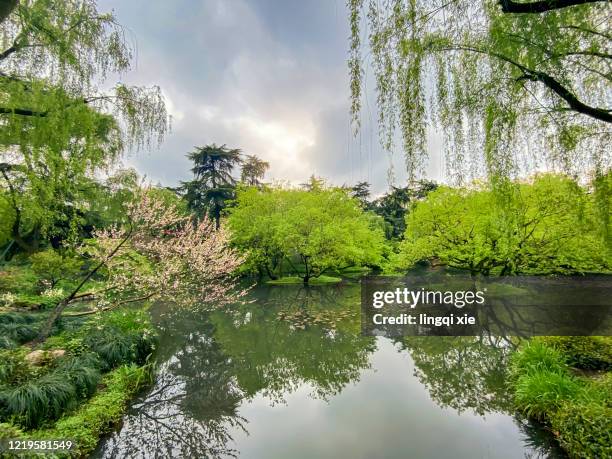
<point>59,123</point>
<point>511,85</point>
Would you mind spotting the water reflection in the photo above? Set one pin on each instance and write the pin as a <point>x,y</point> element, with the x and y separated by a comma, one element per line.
<point>462,372</point>
<point>193,405</point>
<point>213,365</point>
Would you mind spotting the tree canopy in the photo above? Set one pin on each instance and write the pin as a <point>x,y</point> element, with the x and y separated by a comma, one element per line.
<point>213,184</point>
<point>549,226</point>
<point>313,231</point>
<point>253,170</point>
<point>58,124</point>
<point>511,85</point>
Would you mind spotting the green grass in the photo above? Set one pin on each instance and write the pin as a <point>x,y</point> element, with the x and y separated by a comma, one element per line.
<point>542,392</point>
<point>94,418</point>
<point>31,396</point>
<point>578,409</point>
<point>535,356</point>
<point>298,280</point>
<point>33,401</point>
<point>584,352</point>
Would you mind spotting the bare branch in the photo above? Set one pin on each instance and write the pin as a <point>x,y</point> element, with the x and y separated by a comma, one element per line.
<point>541,6</point>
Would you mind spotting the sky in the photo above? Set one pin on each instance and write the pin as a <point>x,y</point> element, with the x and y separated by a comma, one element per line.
<point>267,76</point>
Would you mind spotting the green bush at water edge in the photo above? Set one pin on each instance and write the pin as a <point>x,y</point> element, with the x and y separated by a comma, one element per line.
<point>578,409</point>
<point>94,418</point>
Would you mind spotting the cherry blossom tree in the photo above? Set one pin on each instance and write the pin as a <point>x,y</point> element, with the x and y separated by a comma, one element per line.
<point>161,254</point>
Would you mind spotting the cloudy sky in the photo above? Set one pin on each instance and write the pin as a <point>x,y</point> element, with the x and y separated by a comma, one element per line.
<point>266,76</point>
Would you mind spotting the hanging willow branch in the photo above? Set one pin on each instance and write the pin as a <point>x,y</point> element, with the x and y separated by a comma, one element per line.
<point>507,92</point>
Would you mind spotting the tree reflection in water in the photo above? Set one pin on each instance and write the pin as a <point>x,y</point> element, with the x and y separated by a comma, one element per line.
<point>213,363</point>
<point>470,373</point>
<point>191,409</point>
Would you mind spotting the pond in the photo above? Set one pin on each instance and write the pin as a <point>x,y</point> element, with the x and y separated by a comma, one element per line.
<point>289,375</point>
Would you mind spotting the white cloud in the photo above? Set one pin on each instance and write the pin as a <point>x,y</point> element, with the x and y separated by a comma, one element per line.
<point>267,77</point>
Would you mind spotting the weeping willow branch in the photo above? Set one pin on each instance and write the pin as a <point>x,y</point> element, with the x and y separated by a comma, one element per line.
<point>548,80</point>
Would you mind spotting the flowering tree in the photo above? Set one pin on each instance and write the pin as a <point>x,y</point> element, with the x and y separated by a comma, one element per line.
<point>163,255</point>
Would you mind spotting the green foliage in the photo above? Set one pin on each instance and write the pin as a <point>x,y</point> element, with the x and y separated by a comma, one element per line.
<point>14,369</point>
<point>321,230</point>
<point>536,356</point>
<point>545,226</point>
<point>18,328</point>
<point>58,128</point>
<point>51,266</point>
<point>7,217</point>
<point>83,372</point>
<point>253,170</point>
<point>499,80</point>
<point>17,279</point>
<point>34,401</point>
<point>19,332</point>
<point>119,337</point>
<point>584,352</point>
<point>584,429</point>
<point>115,347</point>
<point>94,418</point>
<point>578,409</point>
<point>394,205</point>
<point>31,396</point>
<point>30,400</point>
<point>541,392</point>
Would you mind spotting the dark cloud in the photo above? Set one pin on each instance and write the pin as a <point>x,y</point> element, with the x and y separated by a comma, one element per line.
<point>266,76</point>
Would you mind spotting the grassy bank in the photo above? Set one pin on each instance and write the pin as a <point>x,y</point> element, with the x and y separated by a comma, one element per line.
<point>566,383</point>
<point>95,417</point>
<point>78,382</point>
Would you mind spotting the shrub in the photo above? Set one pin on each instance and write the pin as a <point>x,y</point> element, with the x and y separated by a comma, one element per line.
<point>7,343</point>
<point>34,401</point>
<point>30,396</point>
<point>541,392</point>
<point>13,367</point>
<point>104,410</point>
<point>585,352</point>
<point>30,401</point>
<point>122,337</point>
<point>18,333</point>
<point>584,429</point>
<point>83,372</point>
<point>116,348</point>
<point>17,278</point>
<point>536,356</point>
<point>51,267</point>
<point>579,410</point>
<point>19,328</point>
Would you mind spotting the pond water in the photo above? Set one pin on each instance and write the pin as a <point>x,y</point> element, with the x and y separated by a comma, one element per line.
<point>290,376</point>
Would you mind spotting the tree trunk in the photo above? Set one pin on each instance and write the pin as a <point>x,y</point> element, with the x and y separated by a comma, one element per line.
<point>59,309</point>
<point>270,273</point>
